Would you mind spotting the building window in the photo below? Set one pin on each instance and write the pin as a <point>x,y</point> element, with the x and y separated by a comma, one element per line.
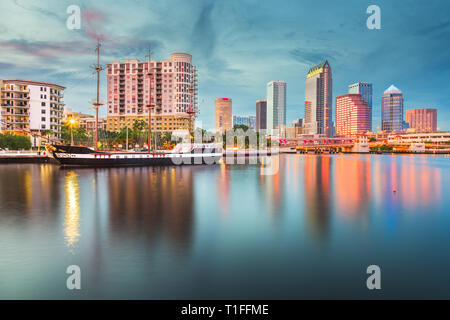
<point>43,111</point>
<point>42,118</point>
<point>43,104</point>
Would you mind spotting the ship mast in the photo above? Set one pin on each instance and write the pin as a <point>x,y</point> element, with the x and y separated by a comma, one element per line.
<point>150,69</point>
<point>191,112</point>
<point>97,104</point>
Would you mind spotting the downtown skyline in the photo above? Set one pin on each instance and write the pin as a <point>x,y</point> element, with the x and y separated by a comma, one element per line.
<point>230,51</point>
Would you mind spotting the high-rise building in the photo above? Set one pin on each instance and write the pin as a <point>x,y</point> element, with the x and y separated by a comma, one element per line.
<point>173,92</point>
<point>318,100</point>
<point>223,111</point>
<point>261,115</point>
<point>392,110</point>
<point>352,115</point>
<point>422,120</point>
<point>32,105</point>
<point>365,90</point>
<point>276,106</point>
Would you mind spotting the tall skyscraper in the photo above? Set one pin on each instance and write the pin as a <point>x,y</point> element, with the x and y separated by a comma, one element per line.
<point>352,115</point>
<point>392,110</point>
<point>276,106</point>
<point>318,100</point>
<point>32,105</point>
<point>365,90</point>
<point>422,120</point>
<point>223,114</point>
<point>261,115</point>
<point>173,92</point>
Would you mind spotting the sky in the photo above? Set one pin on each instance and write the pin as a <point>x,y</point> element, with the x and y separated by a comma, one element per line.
<point>238,47</point>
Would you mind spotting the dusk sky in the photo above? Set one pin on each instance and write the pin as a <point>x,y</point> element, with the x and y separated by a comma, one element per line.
<point>238,47</point>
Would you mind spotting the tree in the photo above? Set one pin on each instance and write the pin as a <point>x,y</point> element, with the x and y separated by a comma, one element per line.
<point>14,142</point>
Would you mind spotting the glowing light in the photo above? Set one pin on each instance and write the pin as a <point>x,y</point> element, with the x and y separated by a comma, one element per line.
<point>72,217</point>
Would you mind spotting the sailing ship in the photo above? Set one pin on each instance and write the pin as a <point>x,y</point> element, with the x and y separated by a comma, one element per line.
<point>182,154</point>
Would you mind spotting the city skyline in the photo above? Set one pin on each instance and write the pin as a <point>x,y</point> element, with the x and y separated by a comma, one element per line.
<point>232,62</point>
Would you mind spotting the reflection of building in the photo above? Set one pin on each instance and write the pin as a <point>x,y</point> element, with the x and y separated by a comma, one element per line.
<point>422,120</point>
<point>317,186</point>
<point>392,110</point>
<point>352,115</point>
<point>246,121</point>
<point>319,100</point>
<point>352,186</point>
<point>156,203</point>
<point>173,91</point>
<point>261,115</point>
<point>32,105</point>
<point>223,110</point>
<point>276,105</point>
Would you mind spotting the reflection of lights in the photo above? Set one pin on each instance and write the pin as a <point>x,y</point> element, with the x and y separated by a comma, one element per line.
<point>72,218</point>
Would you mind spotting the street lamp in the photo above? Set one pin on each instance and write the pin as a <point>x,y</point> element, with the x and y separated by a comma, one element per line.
<point>72,122</point>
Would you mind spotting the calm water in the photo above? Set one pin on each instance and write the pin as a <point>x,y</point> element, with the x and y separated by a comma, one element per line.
<point>309,231</point>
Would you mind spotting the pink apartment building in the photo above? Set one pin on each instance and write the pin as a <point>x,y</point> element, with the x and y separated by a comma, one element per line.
<point>173,92</point>
<point>352,115</point>
<point>422,120</point>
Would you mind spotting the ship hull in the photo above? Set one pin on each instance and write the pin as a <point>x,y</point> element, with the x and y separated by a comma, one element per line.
<point>119,162</point>
<point>81,156</point>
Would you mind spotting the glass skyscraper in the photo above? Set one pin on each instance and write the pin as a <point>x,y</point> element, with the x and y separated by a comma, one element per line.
<point>392,110</point>
<point>276,106</point>
<point>365,90</point>
<point>319,100</point>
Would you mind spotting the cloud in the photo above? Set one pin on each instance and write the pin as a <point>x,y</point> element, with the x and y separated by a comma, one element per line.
<point>203,34</point>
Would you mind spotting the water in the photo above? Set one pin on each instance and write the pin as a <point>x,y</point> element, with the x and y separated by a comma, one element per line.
<point>226,231</point>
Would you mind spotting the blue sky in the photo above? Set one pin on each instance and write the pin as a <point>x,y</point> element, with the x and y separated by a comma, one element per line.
<point>238,46</point>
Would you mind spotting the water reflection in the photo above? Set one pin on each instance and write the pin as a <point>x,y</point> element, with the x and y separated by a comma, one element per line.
<point>154,202</point>
<point>157,232</point>
<point>72,216</point>
<point>352,187</point>
<point>318,183</point>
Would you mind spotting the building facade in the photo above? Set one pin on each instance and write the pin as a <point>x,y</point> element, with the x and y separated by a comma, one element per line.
<point>276,106</point>
<point>365,90</point>
<point>32,106</point>
<point>88,124</point>
<point>261,115</point>
<point>168,86</point>
<point>392,110</point>
<point>319,100</point>
<point>422,120</point>
<point>249,121</point>
<point>353,116</point>
<point>223,114</point>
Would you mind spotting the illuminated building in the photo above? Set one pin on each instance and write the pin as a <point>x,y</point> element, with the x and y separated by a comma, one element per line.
<point>160,123</point>
<point>365,90</point>
<point>223,111</point>
<point>32,105</point>
<point>422,120</point>
<point>392,110</point>
<point>173,91</point>
<point>318,100</point>
<point>352,115</point>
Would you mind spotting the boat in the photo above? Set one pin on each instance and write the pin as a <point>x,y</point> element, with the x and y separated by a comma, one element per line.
<point>182,154</point>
